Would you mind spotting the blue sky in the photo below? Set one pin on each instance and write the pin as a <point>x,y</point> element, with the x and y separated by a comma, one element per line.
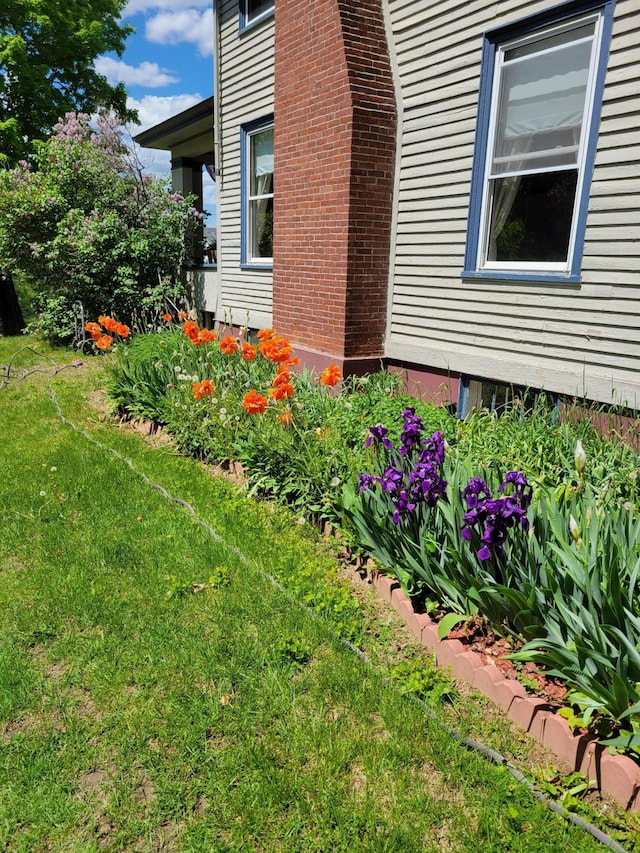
<point>167,66</point>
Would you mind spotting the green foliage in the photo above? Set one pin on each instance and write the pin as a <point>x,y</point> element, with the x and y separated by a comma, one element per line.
<point>427,682</point>
<point>47,53</point>
<point>54,319</point>
<point>295,650</point>
<point>85,224</point>
<point>566,589</point>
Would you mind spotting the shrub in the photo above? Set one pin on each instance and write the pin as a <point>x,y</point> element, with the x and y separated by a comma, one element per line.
<point>83,223</point>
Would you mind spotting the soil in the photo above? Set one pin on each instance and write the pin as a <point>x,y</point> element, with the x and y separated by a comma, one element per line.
<point>495,651</point>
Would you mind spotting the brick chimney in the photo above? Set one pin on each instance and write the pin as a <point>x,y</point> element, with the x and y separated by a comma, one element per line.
<point>335,139</point>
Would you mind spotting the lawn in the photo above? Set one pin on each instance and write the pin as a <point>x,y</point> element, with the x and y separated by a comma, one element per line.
<point>159,692</point>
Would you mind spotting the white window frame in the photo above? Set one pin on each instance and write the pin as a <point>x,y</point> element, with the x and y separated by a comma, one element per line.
<point>248,219</point>
<point>496,47</point>
<point>247,21</point>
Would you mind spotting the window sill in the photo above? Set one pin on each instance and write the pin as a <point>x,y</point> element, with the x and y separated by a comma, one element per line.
<point>507,275</point>
<point>267,267</point>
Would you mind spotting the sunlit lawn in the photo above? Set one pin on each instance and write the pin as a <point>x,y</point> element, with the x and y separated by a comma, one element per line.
<point>158,693</point>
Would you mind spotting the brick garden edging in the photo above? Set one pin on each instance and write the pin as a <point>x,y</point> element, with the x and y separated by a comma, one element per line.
<point>615,775</point>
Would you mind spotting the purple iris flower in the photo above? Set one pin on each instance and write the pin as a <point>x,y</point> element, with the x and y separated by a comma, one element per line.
<point>412,429</point>
<point>521,488</point>
<point>411,482</point>
<point>378,433</point>
<point>434,448</point>
<point>475,492</point>
<point>366,481</point>
<point>494,517</point>
<point>391,479</point>
<point>404,506</point>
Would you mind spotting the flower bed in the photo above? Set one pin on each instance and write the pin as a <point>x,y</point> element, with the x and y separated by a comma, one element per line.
<point>615,775</point>
<point>544,551</point>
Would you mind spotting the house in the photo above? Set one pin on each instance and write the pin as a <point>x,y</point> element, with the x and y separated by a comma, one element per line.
<point>189,137</point>
<point>450,188</point>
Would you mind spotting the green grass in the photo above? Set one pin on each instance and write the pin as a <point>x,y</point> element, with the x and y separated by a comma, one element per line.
<point>157,693</point>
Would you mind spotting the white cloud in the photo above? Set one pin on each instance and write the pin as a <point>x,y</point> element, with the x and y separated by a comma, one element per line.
<point>156,162</point>
<point>187,25</point>
<point>209,198</point>
<point>153,109</point>
<point>148,74</point>
<point>134,7</point>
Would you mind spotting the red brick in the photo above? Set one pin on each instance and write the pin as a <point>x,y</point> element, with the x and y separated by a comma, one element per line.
<point>620,778</point>
<point>464,666</point>
<point>446,651</point>
<point>529,714</point>
<point>559,738</point>
<point>334,158</point>
<point>385,586</point>
<point>485,679</point>
<point>429,637</point>
<point>507,691</point>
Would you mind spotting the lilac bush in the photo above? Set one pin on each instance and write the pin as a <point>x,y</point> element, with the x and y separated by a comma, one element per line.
<point>83,222</point>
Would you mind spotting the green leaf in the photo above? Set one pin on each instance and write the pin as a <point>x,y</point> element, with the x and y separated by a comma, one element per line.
<point>447,623</point>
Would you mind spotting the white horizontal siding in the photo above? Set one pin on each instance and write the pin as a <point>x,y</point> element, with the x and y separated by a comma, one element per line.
<point>582,339</point>
<point>246,74</point>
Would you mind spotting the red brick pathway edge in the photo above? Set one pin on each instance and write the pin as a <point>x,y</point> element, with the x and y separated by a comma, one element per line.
<point>615,775</point>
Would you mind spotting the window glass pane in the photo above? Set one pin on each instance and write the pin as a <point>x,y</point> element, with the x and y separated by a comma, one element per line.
<point>541,106</point>
<point>261,213</point>
<point>255,8</point>
<point>531,217</point>
<point>262,162</point>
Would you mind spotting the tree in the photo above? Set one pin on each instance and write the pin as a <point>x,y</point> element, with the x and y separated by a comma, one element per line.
<point>84,222</point>
<point>47,50</point>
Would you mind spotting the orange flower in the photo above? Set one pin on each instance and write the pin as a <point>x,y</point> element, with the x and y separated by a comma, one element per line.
<point>109,323</point>
<point>122,330</point>
<point>182,315</point>
<point>104,341</point>
<point>286,417</point>
<point>96,334</point>
<point>203,389</point>
<point>254,403</point>
<point>276,348</point>
<point>92,328</point>
<point>282,377</point>
<point>263,334</point>
<point>331,375</point>
<point>207,335</point>
<point>248,351</point>
<point>281,392</point>
<point>192,331</point>
<point>229,345</point>
<point>167,317</point>
<point>290,362</point>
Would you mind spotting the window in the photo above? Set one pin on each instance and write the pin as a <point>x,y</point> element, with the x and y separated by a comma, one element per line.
<point>257,193</point>
<point>540,94</point>
<point>253,11</point>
